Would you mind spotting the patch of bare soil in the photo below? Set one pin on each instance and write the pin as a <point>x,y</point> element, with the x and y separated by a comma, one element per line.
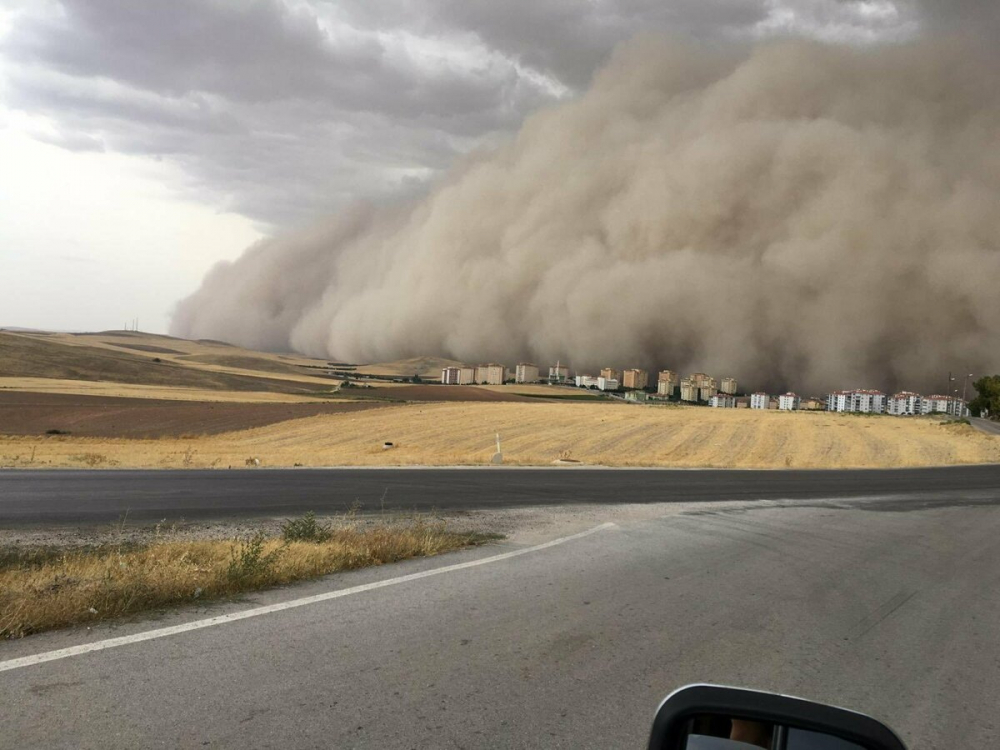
<point>23,413</point>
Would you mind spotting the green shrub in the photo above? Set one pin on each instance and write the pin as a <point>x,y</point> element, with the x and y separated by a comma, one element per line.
<point>248,562</point>
<point>305,529</point>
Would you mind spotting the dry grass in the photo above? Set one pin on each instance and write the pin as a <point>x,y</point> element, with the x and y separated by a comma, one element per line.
<point>538,433</point>
<point>45,589</point>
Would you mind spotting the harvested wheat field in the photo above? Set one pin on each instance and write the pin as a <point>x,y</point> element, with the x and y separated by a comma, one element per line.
<point>608,434</point>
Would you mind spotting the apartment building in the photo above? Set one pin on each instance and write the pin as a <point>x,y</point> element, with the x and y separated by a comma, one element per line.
<point>607,384</point>
<point>722,401</point>
<point>706,392</point>
<point>611,373</point>
<point>451,375</point>
<point>950,405</point>
<point>666,383</point>
<point>728,385</point>
<point>491,374</point>
<point>857,402</point>
<point>665,388</point>
<point>788,402</point>
<point>587,381</point>
<point>689,391</point>
<point>558,373</point>
<point>526,372</point>
<point>904,404</point>
<point>467,375</point>
<point>760,401</point>
<point>635,379</point>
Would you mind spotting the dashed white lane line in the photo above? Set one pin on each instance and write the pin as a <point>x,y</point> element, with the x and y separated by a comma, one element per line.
<point>86,648</point>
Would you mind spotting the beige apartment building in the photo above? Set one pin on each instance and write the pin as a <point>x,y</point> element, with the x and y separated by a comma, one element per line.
<point>728,385</point>
<point>491,374</point>
<point>451,375</point>
<point>526,372</point>
<point>611,373</point>
<point>700,379</point>
<point>635,379</point>
<point>689,390</point>
<point>666,382</point>
<point>466,375</point>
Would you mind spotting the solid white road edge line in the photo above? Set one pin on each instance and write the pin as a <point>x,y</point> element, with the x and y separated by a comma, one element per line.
<point>86,648</point>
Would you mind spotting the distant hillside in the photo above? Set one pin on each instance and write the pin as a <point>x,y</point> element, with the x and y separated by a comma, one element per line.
<point>40,356</point>
<point>244,363</point>
<point>425,367</point>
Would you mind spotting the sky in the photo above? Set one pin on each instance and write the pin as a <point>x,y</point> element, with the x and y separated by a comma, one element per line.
<point>143,143</point>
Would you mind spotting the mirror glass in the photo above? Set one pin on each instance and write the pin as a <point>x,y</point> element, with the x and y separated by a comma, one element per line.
<point>800,739</point>
<point>733,733</point>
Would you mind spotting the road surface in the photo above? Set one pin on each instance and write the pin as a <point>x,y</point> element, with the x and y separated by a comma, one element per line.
<point>80,497</point>
<point>874,605</point>
<point>985,425</point>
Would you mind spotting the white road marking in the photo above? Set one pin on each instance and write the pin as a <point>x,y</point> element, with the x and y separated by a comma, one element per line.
<point>86,648</point>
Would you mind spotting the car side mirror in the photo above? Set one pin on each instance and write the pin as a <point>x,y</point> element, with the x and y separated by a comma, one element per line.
<point>712,717</point>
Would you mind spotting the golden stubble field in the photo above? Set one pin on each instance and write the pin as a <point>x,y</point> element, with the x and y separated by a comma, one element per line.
<point>460,433</point>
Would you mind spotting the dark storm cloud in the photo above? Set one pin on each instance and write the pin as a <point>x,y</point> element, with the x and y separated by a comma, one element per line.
<point>285,111</point>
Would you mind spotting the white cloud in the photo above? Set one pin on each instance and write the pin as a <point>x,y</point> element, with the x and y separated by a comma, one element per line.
<point>89,240</point>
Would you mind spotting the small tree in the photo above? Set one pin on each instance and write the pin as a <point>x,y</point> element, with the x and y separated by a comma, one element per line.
<point>988,398</point>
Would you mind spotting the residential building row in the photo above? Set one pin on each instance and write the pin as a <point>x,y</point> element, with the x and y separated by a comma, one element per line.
<point>700,387</point>
<point>859,401</point>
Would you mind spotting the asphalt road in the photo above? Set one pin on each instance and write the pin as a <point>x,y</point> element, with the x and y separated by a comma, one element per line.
<point>986,425</point>
<point>880,606</point>
<point>81,497</point>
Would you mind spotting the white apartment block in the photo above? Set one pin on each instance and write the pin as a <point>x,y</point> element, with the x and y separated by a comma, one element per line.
<point>857,402</point>
<point>722,401</point>
<point>451,375</point>
<point>904,404</point>
<point>760,401</point>
<point>607,384</point>
<point>944,405</point>
<point>788,402</point>
<point>586,381</point>
<point>526,372</point>
<point>706,392</point>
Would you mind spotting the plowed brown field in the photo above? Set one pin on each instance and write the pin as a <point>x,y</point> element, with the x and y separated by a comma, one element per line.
<point>24,413</point>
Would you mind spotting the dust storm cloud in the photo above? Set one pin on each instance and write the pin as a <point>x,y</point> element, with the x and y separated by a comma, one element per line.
<point>796,214</point>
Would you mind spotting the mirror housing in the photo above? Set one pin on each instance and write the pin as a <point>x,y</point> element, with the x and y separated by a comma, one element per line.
<point>789,716</point>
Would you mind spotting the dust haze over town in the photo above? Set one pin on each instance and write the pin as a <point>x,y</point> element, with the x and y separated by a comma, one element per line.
<point>795,212</point>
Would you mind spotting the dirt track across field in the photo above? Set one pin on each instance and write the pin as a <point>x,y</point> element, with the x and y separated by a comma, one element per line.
<point>23,413</point>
